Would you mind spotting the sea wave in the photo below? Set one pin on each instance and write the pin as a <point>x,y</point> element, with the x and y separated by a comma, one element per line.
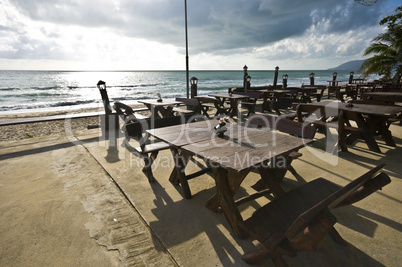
<point>72,103</point>
<point>27,95</point>
<point>46,87</point>
<point>9,89</point>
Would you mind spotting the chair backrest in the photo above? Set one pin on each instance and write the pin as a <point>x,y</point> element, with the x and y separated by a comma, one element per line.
<point>124,111</point>
<point>253,96</point>
<point>283,125</point>
<point>262,120</point>
<point>330,202</point>
<point>310,109</point>
<point>295,128</point>
<point>209,100</point>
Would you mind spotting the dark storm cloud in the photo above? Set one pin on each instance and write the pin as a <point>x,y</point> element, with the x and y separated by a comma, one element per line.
<point>215,26</point>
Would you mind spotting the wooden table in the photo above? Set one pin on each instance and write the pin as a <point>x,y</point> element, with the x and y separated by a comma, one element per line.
<point>231,158</point>
<point>233,100</point>
<point>274,99</point>
<point>389,97</point>
<point>160,109</point>
<point>306,92</point>
<point>374,120</point>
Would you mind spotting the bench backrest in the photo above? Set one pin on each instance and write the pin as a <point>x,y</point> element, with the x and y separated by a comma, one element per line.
<point>209,100</point>
<point>191,103</point>
<point>253,96</point>
<point>330,202</point>
<point>310,109</point>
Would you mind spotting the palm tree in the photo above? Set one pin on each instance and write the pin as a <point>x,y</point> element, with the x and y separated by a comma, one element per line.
<point>387,48</point>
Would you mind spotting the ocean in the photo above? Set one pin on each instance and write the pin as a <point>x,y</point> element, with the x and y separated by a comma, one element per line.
<point>32,91</point>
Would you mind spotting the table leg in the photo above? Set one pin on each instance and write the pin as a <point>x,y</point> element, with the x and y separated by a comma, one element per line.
<point>233,108</point>
<point>234,184</point>
<point>270,177</point>
<point>174,179</point>
<point>367,134</point>
<point>166,111</point>
<point>154,112</point>
<point>379,124</point>
<point>180,166</point>
<point>226,201</point>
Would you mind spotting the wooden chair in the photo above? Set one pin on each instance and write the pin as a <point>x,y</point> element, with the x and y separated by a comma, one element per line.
<point>146,150</point>
<point>286,126</point>
<point>299,219</point>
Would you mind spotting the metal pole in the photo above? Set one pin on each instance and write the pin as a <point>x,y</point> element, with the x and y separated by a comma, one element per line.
<point>187,74</point>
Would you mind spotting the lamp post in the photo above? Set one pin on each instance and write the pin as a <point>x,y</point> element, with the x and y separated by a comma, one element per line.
<point>245,74</point>
<point>334,78</point>
<point>285,80</point>
<point>193,82</point>
<point>276,76</point>
<point>109,124</point>
<point>312,78</point>
<point>351,77</point>
<point>187,74</point>
<point>248,79</point>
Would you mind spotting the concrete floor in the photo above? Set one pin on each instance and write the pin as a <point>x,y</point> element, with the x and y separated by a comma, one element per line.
<point>68,201</point>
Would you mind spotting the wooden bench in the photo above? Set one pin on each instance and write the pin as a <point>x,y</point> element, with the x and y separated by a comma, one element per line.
<point>299,219</point>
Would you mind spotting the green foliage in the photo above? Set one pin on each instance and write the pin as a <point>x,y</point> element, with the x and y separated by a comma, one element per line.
<point>393,19</point>
<point>387,49</point>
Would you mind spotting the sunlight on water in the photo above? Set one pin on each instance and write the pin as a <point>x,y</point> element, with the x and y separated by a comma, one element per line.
<point>32,90</point>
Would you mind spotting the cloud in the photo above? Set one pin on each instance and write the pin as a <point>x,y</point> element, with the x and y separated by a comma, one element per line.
<point>74,29</point>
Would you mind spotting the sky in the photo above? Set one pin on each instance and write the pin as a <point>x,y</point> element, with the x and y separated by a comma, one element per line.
<point>150,34</point>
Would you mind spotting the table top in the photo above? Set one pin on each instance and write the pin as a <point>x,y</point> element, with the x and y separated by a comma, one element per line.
<point>239,149</point>
<point>276,91</point>
<point>232,96</point>
<point>368,109</point>
<point>300,89</point>
<point>155,102</point>
<point>398,94</point>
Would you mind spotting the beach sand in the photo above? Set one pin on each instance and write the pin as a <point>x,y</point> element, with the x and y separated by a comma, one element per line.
<point>48,128</point>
